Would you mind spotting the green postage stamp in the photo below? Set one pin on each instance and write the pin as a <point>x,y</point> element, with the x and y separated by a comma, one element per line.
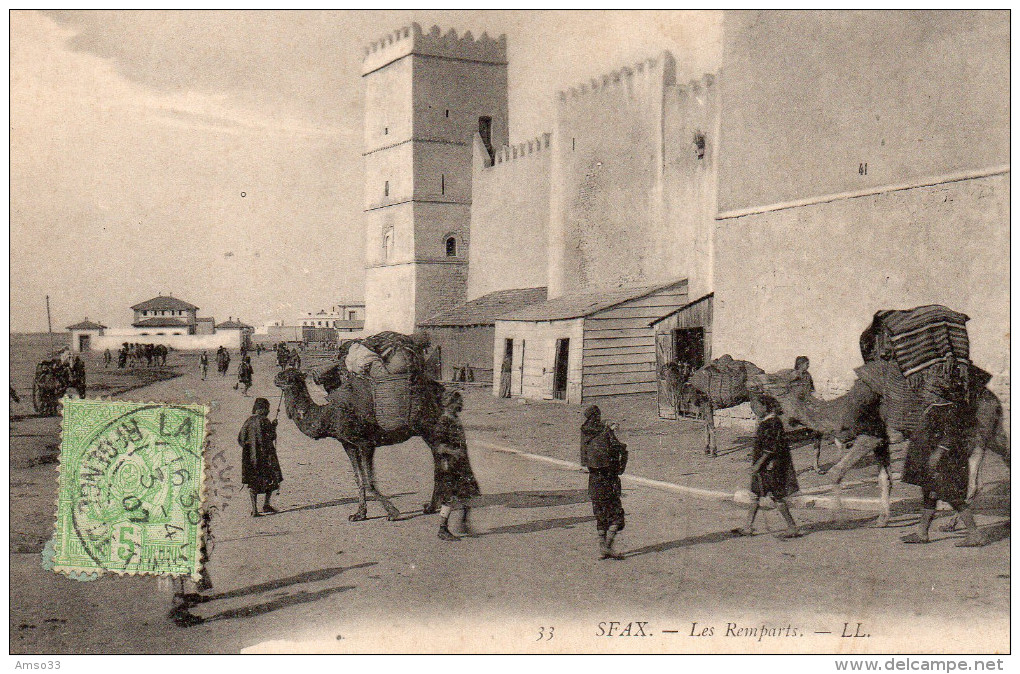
<point>130,494</point>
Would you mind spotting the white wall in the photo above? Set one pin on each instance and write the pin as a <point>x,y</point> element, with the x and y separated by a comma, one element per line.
<point>540,356</point>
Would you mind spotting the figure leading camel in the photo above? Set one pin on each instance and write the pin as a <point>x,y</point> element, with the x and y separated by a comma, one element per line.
<point>360,435</point>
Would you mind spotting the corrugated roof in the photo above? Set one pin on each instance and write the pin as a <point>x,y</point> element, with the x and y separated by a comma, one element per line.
<point>485,309</point>
<point>86,325</point>
<point>163,302</point>
<point>232,324</point>
<point>160,322</point>
<point>579,305</point>
<point>676,311</point>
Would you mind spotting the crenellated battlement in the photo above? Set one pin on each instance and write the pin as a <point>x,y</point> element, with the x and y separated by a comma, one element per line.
<point>413,40</point>
<point>663,65</point>
<point>696,86</point>
<point>508,153</point>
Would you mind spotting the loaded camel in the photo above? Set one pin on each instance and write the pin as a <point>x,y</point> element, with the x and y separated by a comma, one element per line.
<point>361,435</point>
<point>697,391</point>
<point>861,420</point>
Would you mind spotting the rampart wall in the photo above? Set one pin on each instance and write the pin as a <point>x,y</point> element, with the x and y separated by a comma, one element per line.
<point>510,216</point>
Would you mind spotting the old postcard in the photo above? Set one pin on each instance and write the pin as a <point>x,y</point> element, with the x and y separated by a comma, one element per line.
<point>413,331</point>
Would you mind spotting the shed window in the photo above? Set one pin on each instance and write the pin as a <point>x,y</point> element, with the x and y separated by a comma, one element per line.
<point>451,246</point>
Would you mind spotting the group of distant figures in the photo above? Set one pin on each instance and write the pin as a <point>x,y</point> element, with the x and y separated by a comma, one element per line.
<point>133,354</point>
<point>53,378</point>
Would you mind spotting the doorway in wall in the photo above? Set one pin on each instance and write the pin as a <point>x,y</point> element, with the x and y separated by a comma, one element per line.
<point>560,369</point>
<point>84,342</point>
<point>689,347</point>
<point>506,368</point>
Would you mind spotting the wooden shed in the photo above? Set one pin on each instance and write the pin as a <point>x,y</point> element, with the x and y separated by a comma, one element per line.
<point>464,334</point>
<point>683,336</point>
<point>586,345</point>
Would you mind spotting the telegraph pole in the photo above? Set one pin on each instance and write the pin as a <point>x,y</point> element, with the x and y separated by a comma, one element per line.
<point>49,322</point>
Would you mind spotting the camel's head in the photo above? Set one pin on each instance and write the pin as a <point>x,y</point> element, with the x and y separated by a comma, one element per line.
<point>289,379</point>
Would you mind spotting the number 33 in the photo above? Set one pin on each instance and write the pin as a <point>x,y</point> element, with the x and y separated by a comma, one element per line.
<point>544,635</point>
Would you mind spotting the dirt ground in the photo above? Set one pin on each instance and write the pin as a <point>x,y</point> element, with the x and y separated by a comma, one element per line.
<point>307,579</point>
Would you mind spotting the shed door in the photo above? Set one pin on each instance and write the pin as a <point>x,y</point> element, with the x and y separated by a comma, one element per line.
<point>664,355</point>
<point>560,371</point>
<point>690,348</point>
<point>84,342</point>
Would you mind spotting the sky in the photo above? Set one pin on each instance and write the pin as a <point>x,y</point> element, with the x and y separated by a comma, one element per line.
<point>217,155</point>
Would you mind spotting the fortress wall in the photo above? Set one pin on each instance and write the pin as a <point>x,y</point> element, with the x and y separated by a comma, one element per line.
<point>510,217</point>
<point>803,280</point>
<point>607,170</point>
<point>684,245</point>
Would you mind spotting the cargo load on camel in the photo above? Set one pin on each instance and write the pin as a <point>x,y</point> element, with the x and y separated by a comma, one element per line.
<point>378,377</point>
<point>724,381</point>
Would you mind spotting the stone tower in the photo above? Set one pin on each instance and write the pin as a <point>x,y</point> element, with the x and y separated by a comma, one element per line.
<point>426,96</point>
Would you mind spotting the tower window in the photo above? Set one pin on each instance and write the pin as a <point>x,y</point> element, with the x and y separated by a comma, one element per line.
<point>573,144</point>
<point>442,183</point>
<point>386,131</point>
<point>451,246</point>
<point>447,113</point>
<point>699,145</point>
<point>386,188</point>
<point>388,244</point>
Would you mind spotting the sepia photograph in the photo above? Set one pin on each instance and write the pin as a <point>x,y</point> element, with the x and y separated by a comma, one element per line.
<point>511,332</point>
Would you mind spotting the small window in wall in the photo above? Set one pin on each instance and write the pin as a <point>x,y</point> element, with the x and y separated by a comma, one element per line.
<point>699,145</point>
<point>573,144</point>
<point>386,188</point>
<point>442,183</point>
<point>386,131</point>
<point>388,244</point>
<point>451,246</point>
<point>447,113</point>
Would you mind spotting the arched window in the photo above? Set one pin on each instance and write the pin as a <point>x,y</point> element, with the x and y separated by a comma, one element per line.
<point>451,246</point>
<point>388,244</point>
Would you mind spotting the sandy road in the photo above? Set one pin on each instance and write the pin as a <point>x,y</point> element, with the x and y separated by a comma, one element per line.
<point>307,579</point>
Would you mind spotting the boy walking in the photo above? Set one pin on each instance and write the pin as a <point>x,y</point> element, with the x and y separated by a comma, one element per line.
<point>606,459</point>
<point>773,473</point>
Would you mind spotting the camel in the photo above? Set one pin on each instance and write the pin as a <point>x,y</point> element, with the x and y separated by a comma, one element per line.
<point>859,418</point>
<point>690,392</point>
<point>360,437</point>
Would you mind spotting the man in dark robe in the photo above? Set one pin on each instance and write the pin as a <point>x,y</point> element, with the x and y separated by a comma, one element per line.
<point>78,376</point>
<point>260,468</point>
<point>606,459</point>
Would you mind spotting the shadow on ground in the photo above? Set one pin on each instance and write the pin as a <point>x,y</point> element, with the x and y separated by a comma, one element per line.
<point>540,525</point>
<point>302,597</point>
<point>532,499</point>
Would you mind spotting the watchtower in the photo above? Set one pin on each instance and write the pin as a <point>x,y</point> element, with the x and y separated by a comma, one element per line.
<point>426,95</point>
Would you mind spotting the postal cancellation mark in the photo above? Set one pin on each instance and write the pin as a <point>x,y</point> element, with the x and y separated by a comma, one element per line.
<point>130,490</point>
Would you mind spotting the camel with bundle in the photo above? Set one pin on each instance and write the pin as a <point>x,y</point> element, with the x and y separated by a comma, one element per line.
<point>719,385</point>
<point>900,349</point>
<point>364,412</point>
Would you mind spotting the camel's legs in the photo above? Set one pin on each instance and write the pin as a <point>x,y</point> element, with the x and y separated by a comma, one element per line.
<point>885,486</point>
<point>354,453</point>
<point>710,442</point>
<point>974,463</point>
<point>862,444</point>
<point>818,452</point>
<point>368,477</point>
